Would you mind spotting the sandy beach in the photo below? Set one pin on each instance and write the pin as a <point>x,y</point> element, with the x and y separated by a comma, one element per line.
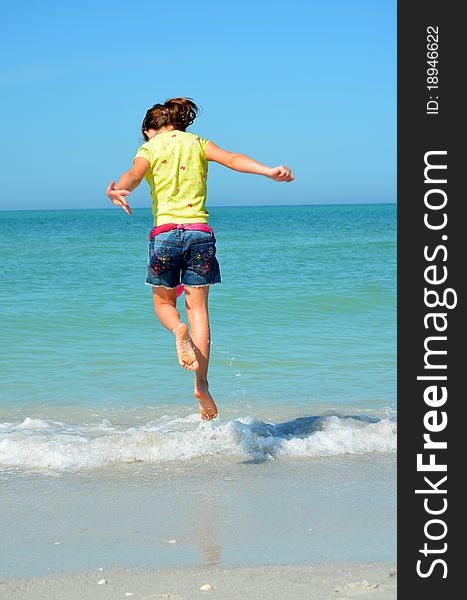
<point>302,529</point>
<point>233,583</point>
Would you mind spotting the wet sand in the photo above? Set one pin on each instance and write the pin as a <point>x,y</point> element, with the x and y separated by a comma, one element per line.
<point>303,529</point>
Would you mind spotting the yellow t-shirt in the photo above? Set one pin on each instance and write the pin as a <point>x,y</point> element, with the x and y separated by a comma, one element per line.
<point>177,176</point>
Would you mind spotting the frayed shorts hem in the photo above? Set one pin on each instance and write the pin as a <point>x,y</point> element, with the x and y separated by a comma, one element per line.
<point>184,285</point>
<point>160,285</point>
<point>201,285</point>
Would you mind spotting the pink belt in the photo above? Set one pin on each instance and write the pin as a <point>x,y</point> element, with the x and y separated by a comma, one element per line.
<point>169,226</point>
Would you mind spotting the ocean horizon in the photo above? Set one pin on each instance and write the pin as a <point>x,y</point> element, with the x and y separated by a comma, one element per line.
<point>210,205</point>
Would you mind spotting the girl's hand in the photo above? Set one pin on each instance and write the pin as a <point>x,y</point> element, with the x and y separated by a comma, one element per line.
<point>118,197</point>
<point>281,173</point>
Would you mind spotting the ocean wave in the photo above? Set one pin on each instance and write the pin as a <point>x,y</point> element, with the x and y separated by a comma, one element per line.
<point>55,445</point>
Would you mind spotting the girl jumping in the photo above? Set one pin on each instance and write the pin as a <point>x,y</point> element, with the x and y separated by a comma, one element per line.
<point>182,247</point>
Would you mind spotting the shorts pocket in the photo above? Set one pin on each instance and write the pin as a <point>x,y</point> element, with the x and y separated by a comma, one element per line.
<point>202,258</point>
<point>159,259</point>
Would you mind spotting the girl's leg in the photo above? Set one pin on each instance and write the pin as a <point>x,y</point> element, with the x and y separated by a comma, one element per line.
<point>198,317</point>
<point>165,301</point>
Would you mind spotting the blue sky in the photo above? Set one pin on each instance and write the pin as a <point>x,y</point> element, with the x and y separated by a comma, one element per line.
<point>310,84</point>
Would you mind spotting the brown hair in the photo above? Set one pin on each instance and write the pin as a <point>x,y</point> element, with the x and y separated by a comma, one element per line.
<point>178,112</point>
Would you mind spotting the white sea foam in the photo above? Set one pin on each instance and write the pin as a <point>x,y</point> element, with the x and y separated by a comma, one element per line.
<point>50,444</point>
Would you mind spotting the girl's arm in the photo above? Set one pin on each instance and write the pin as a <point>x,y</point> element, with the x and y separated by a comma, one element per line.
<point>127,183</point>
<point>245,164</point>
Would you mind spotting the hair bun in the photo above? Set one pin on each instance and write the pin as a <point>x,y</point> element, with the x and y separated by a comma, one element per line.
<point>178,112</point>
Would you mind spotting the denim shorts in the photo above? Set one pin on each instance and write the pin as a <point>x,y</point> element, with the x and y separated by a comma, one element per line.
<point>184,256</point>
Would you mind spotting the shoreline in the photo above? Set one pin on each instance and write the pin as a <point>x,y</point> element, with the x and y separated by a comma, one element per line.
<point>272,582</point>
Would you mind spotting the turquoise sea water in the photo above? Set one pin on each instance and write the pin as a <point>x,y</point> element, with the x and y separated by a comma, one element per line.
<point>303,326</point>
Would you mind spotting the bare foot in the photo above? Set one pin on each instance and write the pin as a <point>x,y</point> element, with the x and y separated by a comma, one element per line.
<point>185,349</point>
<point>207,406</point>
